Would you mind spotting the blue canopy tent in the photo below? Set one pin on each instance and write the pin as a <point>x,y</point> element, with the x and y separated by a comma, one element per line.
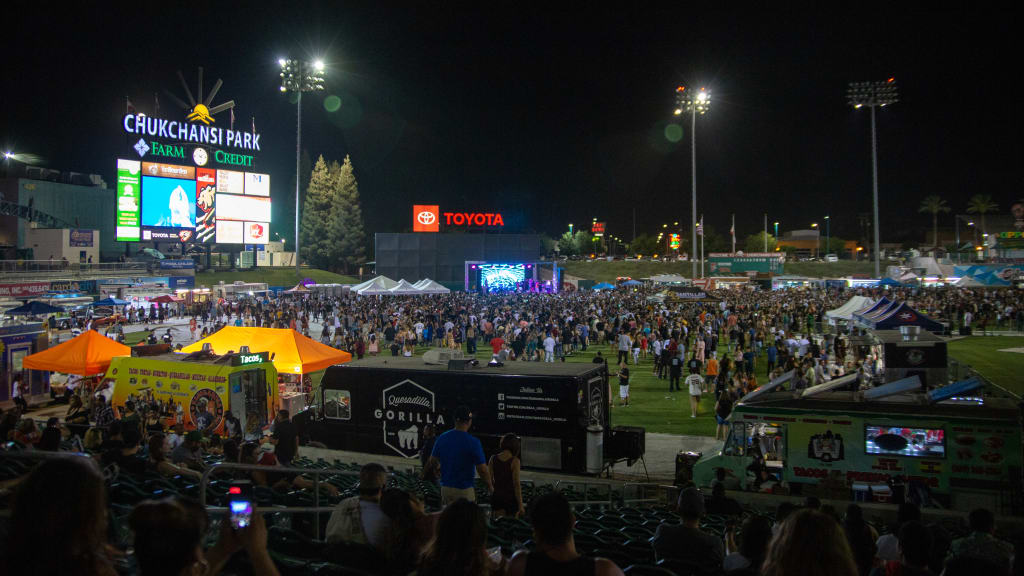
<point>34,308</point>
<point>110,302</point>
<point>890,282</point>
<point>631,283</point>
<point>990,278</point>
<point>904,315</point>
<point>603,286</point>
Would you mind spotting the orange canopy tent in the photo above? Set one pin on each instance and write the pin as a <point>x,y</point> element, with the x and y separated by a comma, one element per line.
<point>293,352</point>
<point>86,354</point>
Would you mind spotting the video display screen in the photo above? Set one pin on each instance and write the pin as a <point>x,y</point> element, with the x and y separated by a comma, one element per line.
<point>898,441</point>
<point>229,232</point>
<point>232,207</point>
<point>168,202</point>
<point>500,277</point>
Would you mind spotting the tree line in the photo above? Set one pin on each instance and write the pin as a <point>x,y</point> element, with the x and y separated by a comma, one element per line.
<point>331,232</point>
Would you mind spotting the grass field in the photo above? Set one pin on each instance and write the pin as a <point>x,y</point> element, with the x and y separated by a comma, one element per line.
<point>604,271</point>
<point>983,354</point>
<point>273,277</point>
<point>650,403</point>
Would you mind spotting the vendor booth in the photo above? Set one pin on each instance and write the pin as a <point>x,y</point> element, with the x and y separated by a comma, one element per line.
<point>845,312</point>
<point>18,342</point>
<point>295,357</point>
<point>88,354</point>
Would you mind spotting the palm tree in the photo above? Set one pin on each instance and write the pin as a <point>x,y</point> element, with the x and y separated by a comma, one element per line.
<point>981,204</point>
<point>933,205</point>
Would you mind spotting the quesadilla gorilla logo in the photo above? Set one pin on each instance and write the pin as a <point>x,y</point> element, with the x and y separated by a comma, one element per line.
<point>405,409</point>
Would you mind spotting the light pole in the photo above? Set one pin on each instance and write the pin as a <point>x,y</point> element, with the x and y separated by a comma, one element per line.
<point>776,233</point>
<point>299,76</point>
<point>699,103</point>
<point>817,238</point>
<point>873,95</point>
<point>828,234</point>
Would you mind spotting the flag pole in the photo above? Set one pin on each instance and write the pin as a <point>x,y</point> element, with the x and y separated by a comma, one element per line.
<point>765,231</point>
<point>733,232</point>
<point>701,245</point>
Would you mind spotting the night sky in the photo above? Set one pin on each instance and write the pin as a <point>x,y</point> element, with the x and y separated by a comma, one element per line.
<point>558,114</point>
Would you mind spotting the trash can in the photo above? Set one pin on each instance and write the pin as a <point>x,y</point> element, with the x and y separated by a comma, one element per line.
<point>595,448</point>
<point>684,466</point>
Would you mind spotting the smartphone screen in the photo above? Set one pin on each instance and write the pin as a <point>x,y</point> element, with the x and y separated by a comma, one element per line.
<point>241,514</point>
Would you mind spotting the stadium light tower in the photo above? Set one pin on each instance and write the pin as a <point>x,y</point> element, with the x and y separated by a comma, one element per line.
<point>694,103</point>
<point>873,95</point>
<point>300,76</point>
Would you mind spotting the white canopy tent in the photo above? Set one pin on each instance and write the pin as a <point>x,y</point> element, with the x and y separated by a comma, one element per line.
<point>845,312</point>
<point>375,286</point>
<point>428,286</point>
<point>669,279</point>
<point>404,288</point>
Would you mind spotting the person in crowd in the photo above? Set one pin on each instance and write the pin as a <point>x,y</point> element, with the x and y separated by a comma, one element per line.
<point>675,372</point>
<point>686,541</point>
<point>104,413</point>
<point>26,434</point>
<point>76,414</point>
<point>887,545</point>
<point>127,453</point>
<point>411,530</point>
<point>507,499</point>
<point>981,543</point>
<point>18,393</point>
<point>459,548</point>
<point>915,543</point>
<point>58,521</point>
<point>49,439</point>
<point>158,461</point>
<point>861,537</point>
<point>694,383</point>
<point>93,439</point>
<point>190,452</point>
<point>230,448</point>
<point>746,559</point>
<point>169,534</point>
<point>723,408</point>
<point>809,543</point>
<point>232,426</point>
<point>721,504</point>
<point>555,553</point>
<point>430,472</point>
<point>459,454</point>
<point>623,384</point>
<point>285,438</point>
<point>360,519</point>
<point>8,424</point>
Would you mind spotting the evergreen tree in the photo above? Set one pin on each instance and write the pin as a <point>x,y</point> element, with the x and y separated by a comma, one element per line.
<point>319,247</point>
<point>350,237</point>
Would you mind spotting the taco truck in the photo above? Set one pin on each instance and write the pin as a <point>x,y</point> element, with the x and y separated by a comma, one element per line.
<point>197,389</point>
<point>963,447</point>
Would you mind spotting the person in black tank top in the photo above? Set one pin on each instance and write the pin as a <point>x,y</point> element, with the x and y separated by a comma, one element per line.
<point>555,554</point>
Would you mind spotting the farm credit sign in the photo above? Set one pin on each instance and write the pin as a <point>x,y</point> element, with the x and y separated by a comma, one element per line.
<point>428,218</point>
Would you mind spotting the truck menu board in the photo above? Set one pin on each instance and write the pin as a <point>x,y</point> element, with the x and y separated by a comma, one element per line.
<point>382,405</point>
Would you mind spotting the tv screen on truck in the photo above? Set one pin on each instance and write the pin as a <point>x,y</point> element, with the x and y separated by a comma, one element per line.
<point>899,441</point>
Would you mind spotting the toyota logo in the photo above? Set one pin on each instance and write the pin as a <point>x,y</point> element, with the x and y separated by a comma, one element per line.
<point>426,217</point>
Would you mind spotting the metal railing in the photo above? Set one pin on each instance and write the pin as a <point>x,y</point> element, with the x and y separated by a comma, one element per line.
<point>316,509</point>
<point>51,268</point>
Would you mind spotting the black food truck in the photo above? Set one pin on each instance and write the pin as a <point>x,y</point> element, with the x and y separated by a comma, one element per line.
<point>381,406</point>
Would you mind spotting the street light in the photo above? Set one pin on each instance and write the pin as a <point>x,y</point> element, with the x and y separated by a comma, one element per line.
<point>873,95</point>
<point>299,76</point>
<point>817,238</point>
<point>776,232</point>
<point>828,232</point>
<point>694,103</point>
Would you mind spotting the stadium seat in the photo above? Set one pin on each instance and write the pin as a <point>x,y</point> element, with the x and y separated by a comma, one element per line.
<point>648,570</point>
<point>680,567</point>
<point>620,558</point>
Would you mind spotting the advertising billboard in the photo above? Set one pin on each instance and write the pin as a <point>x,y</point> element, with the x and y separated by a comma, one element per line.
<point>256,232</point>
<point>168,203</point>
<point>206,204</point>
<point>229,232</point>
<point>426,218</point>
<point>233,207</point>
<point>129,204</point>
<point>168,170</point>
<point>230,182</point>
<point>597,228</point>
<point>257,184</point>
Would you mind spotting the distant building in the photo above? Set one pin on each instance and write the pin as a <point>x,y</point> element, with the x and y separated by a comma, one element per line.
<point>811,243</point>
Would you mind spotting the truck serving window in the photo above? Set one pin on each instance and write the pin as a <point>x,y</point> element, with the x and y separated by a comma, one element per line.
<point>337,404</point>
<point>736,443</point>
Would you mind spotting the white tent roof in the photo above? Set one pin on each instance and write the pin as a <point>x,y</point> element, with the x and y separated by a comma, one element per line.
<point>968,282</point>
<point>428,286</point>
<point>845,312</point>
<point>378,285</point>
<point>404,288</point>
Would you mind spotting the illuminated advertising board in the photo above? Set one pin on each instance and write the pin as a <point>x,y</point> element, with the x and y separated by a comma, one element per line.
<point>129,201</point>
<point>206,204</point>
<point>256,232</point>
<point>597,228</point>
<point>229,232</point>
<point>230,182</point>
<point>168,170</point>
<point>426,218</point>
<point>242,208</point>
<point>168,203</point>
<point>257,184</point>
<point>673,241</point>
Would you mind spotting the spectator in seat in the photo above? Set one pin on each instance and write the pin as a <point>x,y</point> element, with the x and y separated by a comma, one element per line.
<point>981,543</point>
<point>722,504</point>
<point>888,548</point>
<point>58,521</point>
<point>915,542</point>
<point>158,460</point>
<point>746,559</point>
<point>190,452</point>
<point>459,548</point>
<point>507,499</point>
<point>411,530</point>
<point>861,537</point>
<point>555,555</point>
<point>809,543</point>
<point>686,541</point>
<point>360,519</point>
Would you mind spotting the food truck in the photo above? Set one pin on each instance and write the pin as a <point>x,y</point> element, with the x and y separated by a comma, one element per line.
<point>197,389</point>
<point>965,448</point>
<point>381,405</point>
